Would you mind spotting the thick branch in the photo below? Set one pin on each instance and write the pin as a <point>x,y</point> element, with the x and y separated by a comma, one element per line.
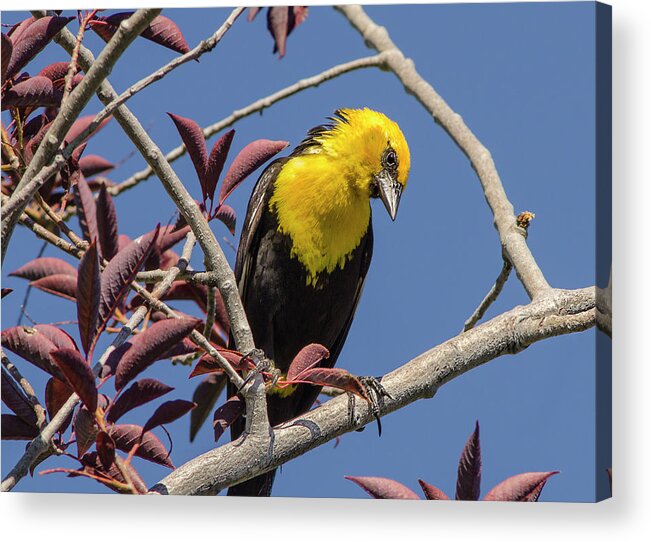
<point>564,311</point>
<point>70,110</point>
<point>512,238</point>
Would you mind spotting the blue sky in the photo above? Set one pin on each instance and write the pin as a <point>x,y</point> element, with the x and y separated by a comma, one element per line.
<point>522,77</point>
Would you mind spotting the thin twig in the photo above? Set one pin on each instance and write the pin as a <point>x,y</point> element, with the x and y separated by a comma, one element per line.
<point>491,296</point>
<point>72,67</point>
<point>256,107</point>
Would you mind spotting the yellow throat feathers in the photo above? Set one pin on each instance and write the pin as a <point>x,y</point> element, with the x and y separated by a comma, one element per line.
<point>322,194</point>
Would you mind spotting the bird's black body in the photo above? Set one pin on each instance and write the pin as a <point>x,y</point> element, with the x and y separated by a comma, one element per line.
<point>284,311</point>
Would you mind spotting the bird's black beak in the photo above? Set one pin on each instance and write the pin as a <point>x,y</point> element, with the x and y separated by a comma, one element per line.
<point>389,190</point>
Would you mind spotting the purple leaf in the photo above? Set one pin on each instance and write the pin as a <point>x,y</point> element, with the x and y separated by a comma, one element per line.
<point>32,144</point>
<point>524,487</point>
<point>64,286</point>
<point>148,346</point>
<point>7,47</point>
<point>56,71</point>
<point>383,488</point>
<point>335,378</point>
<point>309,356</point>
<point>247,161</point>
<point>168,412</point>
<point>78,374</point>
<point>226,214</point>
<point>207,364</point>
<point>92,465</point>
<point>44,267</point>
<point>170,236</point>
<point>126,436</point>
<point>139,393</point>
<point>281,20</point>
<point>119,273</point>
<point>33,345</point>
<point>226,415</point>
<point>107,224</point>
<point>161,30</point>
<point>85,428</point>
<point>93,164</point>
<point>59,338</point>
<point>88,290</point>
<point>30,41</point>
<point>33,92</point>
<point>14,397</point>
<point>57,393</point>
<point>105,449</point>
<point>86,209</point>
<point>216,161</point>
<point>432,493</point>
<point>13,428</point>
<point>205,395</point>
<point>252,13</point>
<point>469,471</point>
<point>194,141</point>
<point>6,292</point>
<point>80,126</point>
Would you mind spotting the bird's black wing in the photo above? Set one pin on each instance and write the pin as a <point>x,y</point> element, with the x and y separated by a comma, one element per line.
<point>250,238</point>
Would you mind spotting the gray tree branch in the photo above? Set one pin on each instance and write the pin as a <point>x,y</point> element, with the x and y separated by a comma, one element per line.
<point>565,311</point>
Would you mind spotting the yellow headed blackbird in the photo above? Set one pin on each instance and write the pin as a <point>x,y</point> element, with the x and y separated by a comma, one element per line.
<point>306,247</point>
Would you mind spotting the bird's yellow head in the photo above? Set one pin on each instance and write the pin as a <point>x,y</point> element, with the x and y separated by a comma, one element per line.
<point>369,147</point>
<point>322,194</point>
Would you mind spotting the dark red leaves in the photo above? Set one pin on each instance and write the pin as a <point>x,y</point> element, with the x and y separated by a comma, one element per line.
<point>14,428</point>
<point>524,487</point>
<point>227,216</point>
<point>335,378</point>
<point>105,449</point>
<point>29,42</point>
<point>7,47</point>
<point>5,292</point>
<point>86,209</point>
<point>162,30</point>
<point>55,71</point>
<point>247,161</point>
<point>205,395</point>
<point>432,493</point>
<point>93,164</point>
<point>139,393</point>
<point>32,344</point>
<point>281,20</point>
<point>85,428</point>
<point>469,472</point>
<point>119,273</point>
<point>81,124</point>
<point>168,412</point>
<point>226,414</point>
<point>13,396</point>
<point>150,448</point>
<point>215,163</point>
<point>88,291</point>
<point>194,141</point>
<point>78,374</point>
<point>107,223</point>
<point>33,92</point>
<point>208,364</point>
<point>307,358</point>
<point>148,346</point>
<point>43,267</point>
<point>64,286</point>
<point>57,393</point>
<point>383,488</point>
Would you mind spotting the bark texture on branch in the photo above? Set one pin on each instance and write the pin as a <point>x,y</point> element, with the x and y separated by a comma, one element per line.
<point>566,311</point>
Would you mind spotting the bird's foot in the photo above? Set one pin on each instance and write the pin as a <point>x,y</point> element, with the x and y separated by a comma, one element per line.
<point>262,364</point>
<point>376,393</point>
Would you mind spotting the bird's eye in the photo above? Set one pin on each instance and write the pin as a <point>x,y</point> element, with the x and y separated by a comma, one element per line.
<point>391,159</point>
